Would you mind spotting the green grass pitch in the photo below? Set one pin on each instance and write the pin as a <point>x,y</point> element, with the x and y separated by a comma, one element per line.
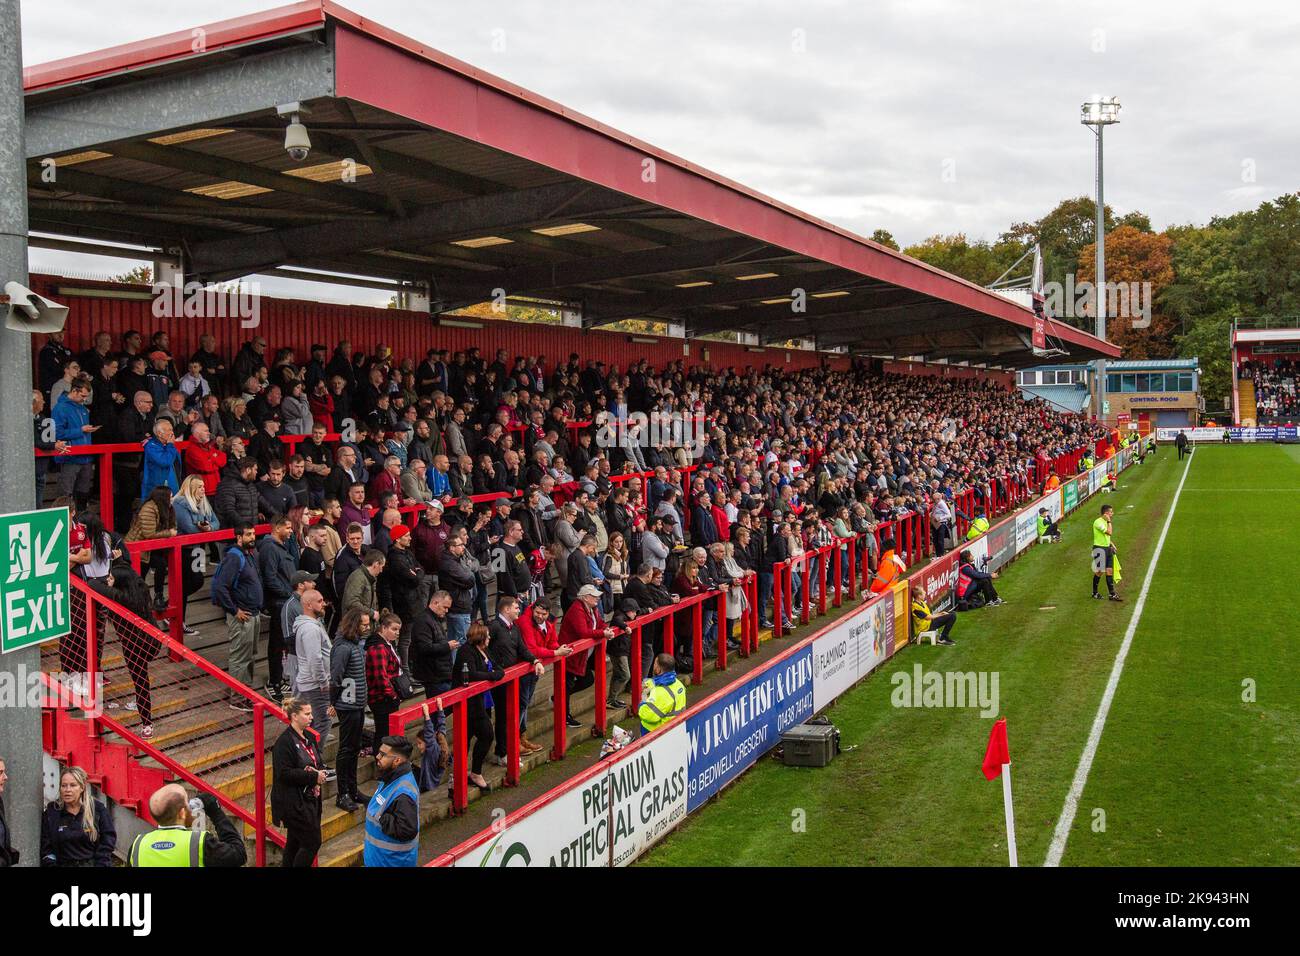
<point>1199,762</point>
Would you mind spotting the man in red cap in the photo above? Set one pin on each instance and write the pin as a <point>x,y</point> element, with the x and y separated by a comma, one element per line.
<point>402,587</point>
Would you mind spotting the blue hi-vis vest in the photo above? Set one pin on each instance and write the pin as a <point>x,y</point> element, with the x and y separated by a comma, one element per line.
<point>380,849</point>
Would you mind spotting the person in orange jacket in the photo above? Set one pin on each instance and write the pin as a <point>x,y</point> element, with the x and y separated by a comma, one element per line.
<point>890,567</point>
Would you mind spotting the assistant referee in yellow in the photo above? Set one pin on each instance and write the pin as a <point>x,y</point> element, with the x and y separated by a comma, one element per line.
<point>1103,553</point>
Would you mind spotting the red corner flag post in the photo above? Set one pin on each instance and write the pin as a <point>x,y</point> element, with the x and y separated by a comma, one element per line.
<point>997,760</point>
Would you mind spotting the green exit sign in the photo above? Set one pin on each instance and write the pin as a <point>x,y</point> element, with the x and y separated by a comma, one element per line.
<point>34,578</point>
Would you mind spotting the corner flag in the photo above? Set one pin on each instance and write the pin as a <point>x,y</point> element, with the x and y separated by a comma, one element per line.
<point>997,760</point>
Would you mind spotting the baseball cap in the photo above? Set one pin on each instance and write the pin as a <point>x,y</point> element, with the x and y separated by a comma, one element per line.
<point>589,590</point>
<point>435,504</point>
<point>301,577</point>
<point>158,354</point>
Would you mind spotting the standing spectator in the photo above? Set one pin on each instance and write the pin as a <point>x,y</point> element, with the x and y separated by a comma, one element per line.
<point>431,660</point>
<point>619,649</point>
<point>384,673</point>
<point>43,439</point>
<point>51,359</point>
<point>295,412</point>
<point>72,425</point>
<point>362,587</point>
<point>203,458</point>
<point>456,580</point>
<point>236,501</point>
<point>349,694</point>
<point>138,646</point>
<point>161,460</point>
<point>393,813</point>
<point>134,426</point>
<point>474,664</point>
<point>77,830</point>
<point>154,521</point>
<point>514,577</point>
<point>277,566</point>
<point>312,657</point>
<point>655,545</point>
<point>298,775</point>
<point>508,648</point>
<point>403,584</point>
<point>71,372</point>
<point>582,622</point>
<point>237,590</point>
<point>616,570</point>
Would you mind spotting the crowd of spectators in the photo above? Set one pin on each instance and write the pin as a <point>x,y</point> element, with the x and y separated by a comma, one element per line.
<point>363,604</point>
<point>1275,389</point>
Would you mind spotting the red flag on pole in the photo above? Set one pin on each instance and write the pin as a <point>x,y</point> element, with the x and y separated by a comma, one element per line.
<point>996,754</point>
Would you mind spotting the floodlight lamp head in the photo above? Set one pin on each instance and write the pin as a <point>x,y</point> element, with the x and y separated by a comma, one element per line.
<point>1100,111</point>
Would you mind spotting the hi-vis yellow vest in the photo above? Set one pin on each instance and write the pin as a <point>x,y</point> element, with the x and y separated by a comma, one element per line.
<point>977,528</point>
<point>921,615</point>
<point>168,846</point>
<point>660,704</point>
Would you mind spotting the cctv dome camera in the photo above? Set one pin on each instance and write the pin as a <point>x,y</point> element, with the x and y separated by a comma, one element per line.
<point>296,141</point>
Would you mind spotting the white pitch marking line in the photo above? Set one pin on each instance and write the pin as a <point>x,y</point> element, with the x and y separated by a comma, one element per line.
<point>1066,821</point>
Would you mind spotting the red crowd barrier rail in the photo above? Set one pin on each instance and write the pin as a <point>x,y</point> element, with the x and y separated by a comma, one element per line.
<point>455,701</point>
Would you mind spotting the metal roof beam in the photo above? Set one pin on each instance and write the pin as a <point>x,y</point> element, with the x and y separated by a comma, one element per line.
<point>224,170</point>
<point>457,219</point>
<point>568,275</point>
<point>724,291</point>
<point>193,97</point>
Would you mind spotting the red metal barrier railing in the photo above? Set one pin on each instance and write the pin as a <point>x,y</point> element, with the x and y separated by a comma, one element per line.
<point>196,735</point>
<point>456,699</point>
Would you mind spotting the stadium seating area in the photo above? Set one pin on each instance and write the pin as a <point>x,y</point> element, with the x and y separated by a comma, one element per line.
<point>1275,389</point>
<point>383,482</point>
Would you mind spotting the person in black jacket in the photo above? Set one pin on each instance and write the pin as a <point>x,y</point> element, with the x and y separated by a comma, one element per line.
<point>298,775</point>
<point>349,696</point>
<point>401,587</point>
<point>647,590</point>
<point>431,657</point>
<point>514,576</point>
<point>277,565</point>
<point>236,501</point>
<point>274,496</point>
<point>76,829</point>
<point>456,580</point>
<point>474,664</point>
<point>134,425</point>
<point>579,571</point>
<point>508,649</point>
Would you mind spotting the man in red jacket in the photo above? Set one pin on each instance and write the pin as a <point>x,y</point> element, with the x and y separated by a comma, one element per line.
<point>203,458</point>
<point>388,480</point>
<point>582,622</point>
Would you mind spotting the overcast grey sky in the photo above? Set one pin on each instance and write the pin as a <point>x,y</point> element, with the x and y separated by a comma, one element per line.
<point>920,117</point>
